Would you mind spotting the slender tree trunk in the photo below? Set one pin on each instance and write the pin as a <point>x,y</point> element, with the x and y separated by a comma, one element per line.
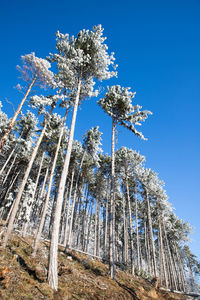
<point>173,276</point>
<point>12,122</point>
<point>8,159</point>
<point>9,169</point>
<point>36,184</point>
<point>69,244</point>
<point>151,234</point>
<point>96,228</point>
<point>63,218</point>
<point>162,254</point>
<point>89,226</point>
<point>183,279</point>
<point>10,187</point>
<point>125,244</point>
<point>21,189</point>
<point>52,269</point>
<point>147,247</point>
<point>106,230</point>
<point>112,207</point>
<point>83,230</point>
<point>39,231</point>
<point>130,227</point>
<point>137,232</point>
<point>67,217</point>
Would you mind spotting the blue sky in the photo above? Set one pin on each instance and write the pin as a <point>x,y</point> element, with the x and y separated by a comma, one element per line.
<point>157,48</point>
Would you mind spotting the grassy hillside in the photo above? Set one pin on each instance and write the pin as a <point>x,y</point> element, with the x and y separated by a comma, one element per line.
<point>80,277</point>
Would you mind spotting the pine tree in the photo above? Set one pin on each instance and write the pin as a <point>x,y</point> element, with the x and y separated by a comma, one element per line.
<point>79,61</point>
<point>117,103</point>
<point>34,70</point>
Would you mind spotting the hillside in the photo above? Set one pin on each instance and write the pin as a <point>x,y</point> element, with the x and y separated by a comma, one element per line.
<point>80,277</point>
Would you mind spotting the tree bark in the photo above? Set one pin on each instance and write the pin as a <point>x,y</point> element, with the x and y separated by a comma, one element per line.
<point>39,231</point>
<point>130,227</point>
<point>112,207</point>
<point>52,269</point>
<point>151,233</point>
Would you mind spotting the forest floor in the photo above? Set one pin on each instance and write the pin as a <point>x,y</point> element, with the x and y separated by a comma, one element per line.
<point>80,277</point>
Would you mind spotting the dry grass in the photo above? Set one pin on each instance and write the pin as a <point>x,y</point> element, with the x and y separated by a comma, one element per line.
<point>80,277</point>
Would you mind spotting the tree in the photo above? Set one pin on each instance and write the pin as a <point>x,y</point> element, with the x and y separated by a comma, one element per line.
<point>79,61</point>
<point>34,70</point>
<point>27,172</point>
<point>117,103</point>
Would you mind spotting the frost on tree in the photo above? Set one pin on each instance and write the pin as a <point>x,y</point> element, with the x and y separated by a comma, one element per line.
<point>34,71</point>
<point>80,61</point>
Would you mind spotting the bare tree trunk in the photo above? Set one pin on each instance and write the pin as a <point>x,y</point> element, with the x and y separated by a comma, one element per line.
<point>69,243</point>
<point>96,228</point>
<point>39,231</point>
<point>5,136</point>
<point>41,195</point>
<point>130,227</point>
<point>8,159</point>
<point>137,232</point>
<point>125,244</point>
<point>112,207</point>
<point>147,248</point>
<point>173,276</point>
<point>106,230</point>
<point>52,269</point>
<point>21,189</point>
<point>162,254</point>
<point>63,217</point>
<point>83,229</point>
<point>10,169</point>
<point>10,187</point>
<point>67,217</point>
<point>89,226</point>
<point>151,233</point>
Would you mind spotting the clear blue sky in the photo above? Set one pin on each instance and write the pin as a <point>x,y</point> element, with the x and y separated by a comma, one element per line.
<point>157,48</point>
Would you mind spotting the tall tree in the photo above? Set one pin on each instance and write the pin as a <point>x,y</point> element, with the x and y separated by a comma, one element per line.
<point>79,61</point>
<point>117,103</point>
<point>34,70</point>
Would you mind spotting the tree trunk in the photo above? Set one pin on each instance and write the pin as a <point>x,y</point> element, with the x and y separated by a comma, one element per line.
<point>9,169</point>
<point>67,217</point>
<point>112,207</point>
<point>171,265</point>
<point>52,269</point>
<point>137,232</point>
<point>88,227</point>
<point>5,136</point>
<point>8,159</point>
<point>151,234</point>
<point>131,228</point>
<point>39,231</point>
<point>162,255</point>
<point>36,184</point>
<point>21,189</point>
<point>125,241</point>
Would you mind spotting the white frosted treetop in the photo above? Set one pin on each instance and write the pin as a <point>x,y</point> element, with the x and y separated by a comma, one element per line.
<point>84,58</point>
<point>34,66</point>
<point>117,103</point>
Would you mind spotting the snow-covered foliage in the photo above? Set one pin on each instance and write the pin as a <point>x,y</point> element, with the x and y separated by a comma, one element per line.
<point>126,161</point>
<point>3,120</point>
<point>92,142</point>
<point>117,103</point>
<point>27,201</point>
<point>84,58</point>
<point>35,67</point>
